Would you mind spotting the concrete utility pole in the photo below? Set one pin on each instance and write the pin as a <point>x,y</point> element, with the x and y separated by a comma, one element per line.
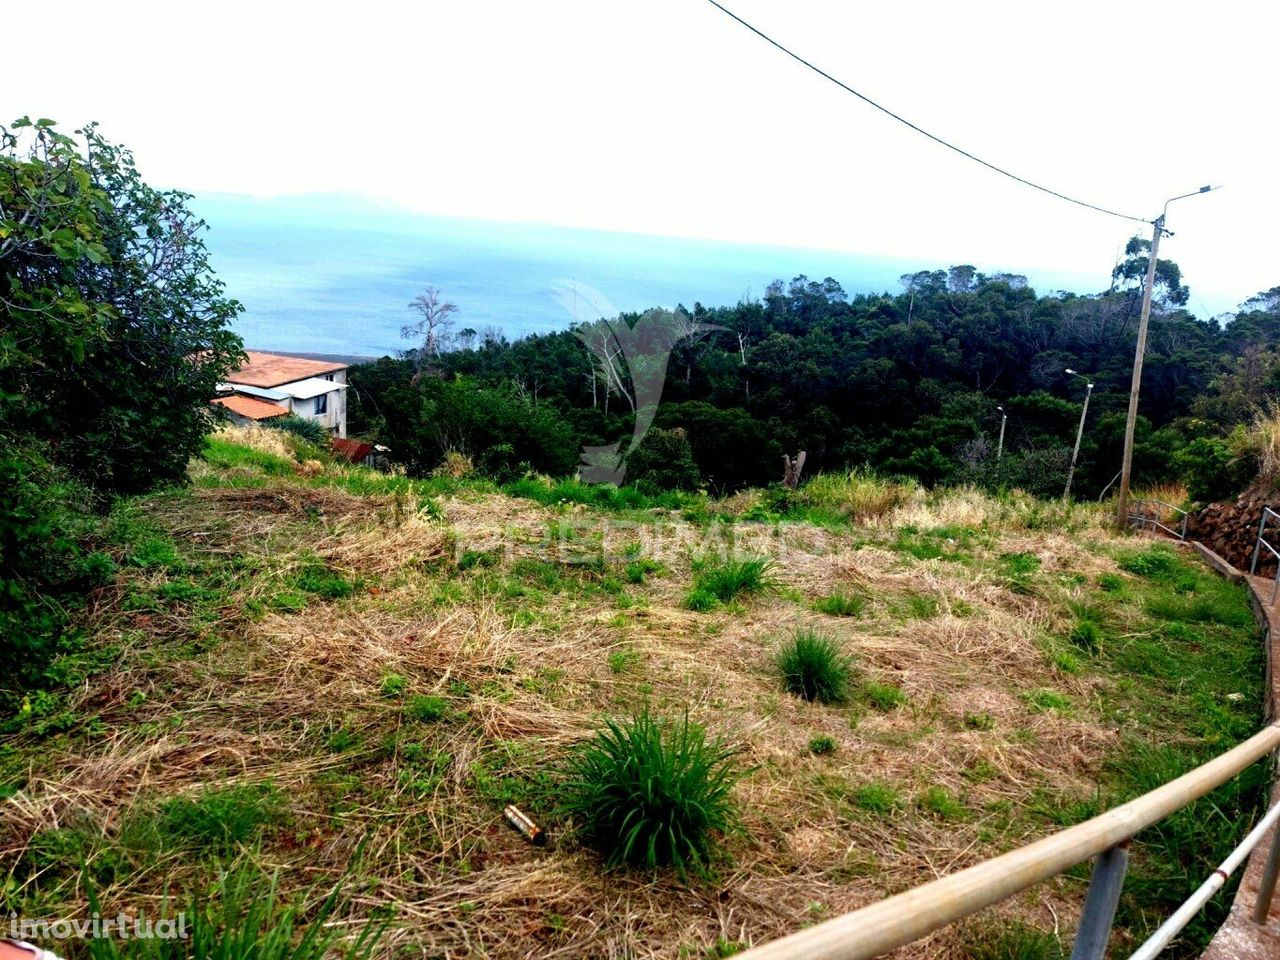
<point>1084,412</point>
<point>1126,465</point>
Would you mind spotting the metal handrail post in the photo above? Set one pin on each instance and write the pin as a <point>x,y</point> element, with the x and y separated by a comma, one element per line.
<point>1185,517</point>
<point>1257,548</point>
<point>1267,889</point>
<point>1100,903</point>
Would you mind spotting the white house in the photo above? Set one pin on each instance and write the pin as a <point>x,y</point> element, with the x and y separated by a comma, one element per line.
<point>266,382</point>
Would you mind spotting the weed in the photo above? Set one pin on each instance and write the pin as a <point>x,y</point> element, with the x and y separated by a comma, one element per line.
<point>840,605</point>
<point>1086,635</point>
<point>725,580</point>
<point>941,803</point>
<point>1045,700</point>
<point>1012,940</point>
<point>426,709</point>
<point>651,792</point>
<point>393,685</point>
<point>920,606</point>
<point>620,661</point>
<point>240,916</point>
<point>217,820</point>
<point>883,696</point>
<point>822,745</point>
<point>814,667</point>
<point>1110,582</point>
<point>877,797</point>
<point>979,721</point>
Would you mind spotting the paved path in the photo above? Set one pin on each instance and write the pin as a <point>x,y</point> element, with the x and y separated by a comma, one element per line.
<point>1240,938</point>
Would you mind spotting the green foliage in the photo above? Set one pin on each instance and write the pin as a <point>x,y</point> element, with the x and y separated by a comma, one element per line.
<point>663,461</point>
<point>883,696</point>
<point>840,605</point>
<point>46,566</point>
<point>217,820</point>
<point>876,797</point>
<point>1086,635</point>
<point>814,667</point>
<point>312,431</point>
<point>652,792</point>
<point>1156,563</point>
<point>426,708</point>
<point>941,803</point>
<point>722,580</point>
<point>822,745</point>
<point>242,915</point>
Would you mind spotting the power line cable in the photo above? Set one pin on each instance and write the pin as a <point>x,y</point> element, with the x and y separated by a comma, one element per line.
<point>903,120</point>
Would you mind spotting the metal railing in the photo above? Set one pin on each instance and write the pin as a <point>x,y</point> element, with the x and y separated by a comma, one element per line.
<point>1262,542</point>
<point>907,917</point>
<point>1150,515</point>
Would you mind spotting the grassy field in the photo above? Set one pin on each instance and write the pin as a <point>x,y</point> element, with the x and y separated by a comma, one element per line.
<point>339,679</point>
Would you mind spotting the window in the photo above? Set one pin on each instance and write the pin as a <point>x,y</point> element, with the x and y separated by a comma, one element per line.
<point>322,404</point>
<point>328,376</point>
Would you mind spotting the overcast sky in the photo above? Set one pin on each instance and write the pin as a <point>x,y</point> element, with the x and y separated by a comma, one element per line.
<point>666,117</point>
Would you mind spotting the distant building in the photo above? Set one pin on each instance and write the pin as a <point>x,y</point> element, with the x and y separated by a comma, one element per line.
<point>312,389</point>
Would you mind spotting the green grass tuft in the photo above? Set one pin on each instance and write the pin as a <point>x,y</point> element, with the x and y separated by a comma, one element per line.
<point>653,793</point>
<point>814,667</point>
<point>840,605</point>
<point>720,581</point>
<point>822,745</point>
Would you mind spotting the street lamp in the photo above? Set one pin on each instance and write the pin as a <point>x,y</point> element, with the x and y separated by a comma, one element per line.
<point>1003,419</point>
<point>1084,412</point>
<point>1122,504</point>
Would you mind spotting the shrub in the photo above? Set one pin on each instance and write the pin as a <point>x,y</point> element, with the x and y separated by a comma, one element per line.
<point>651,793</point>
<point>312,431</point>
<point>663,461</point>
<point>815,668</point>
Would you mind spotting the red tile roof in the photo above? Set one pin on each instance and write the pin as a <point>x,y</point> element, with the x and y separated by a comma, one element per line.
<point>353,450</point>
<point>272,369</point>
<point>251,407</point>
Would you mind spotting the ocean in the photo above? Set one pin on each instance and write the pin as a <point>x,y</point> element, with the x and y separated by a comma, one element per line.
<point>333,274</point>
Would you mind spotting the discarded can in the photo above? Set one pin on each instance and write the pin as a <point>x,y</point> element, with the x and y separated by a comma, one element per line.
<point>527,828</point>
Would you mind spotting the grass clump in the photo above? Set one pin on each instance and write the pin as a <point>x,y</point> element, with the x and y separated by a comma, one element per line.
<point>814,667</point>
<point>242,915</point>
<point>720,581</point>
<point>426,708</point>
<point>940,802</point>
<point>1086,635</point>
<point>1012,940</point>
<point>883,696</point>
<point>858,495</point>
<point>822,745</point>
<point>653,793</point>
<point>1045,700</point>
<point>877,797</point>
<point>841,604</point>
<point>217,820</point>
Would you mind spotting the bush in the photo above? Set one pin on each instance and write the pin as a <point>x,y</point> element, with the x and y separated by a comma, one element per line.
<point>653,793</point>
<point>815,668</point>
<point>45,569</point>
<point>663,461</point>
<point>313,431</point>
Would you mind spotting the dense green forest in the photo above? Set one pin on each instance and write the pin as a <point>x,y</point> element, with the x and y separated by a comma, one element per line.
<point>908,383</point>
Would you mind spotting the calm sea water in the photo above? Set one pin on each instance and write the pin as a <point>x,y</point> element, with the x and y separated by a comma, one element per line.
<point>334,274</point>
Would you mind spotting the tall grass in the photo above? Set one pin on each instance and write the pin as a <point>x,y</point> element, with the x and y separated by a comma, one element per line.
<point>858,495</point>
<point>653,793</point>
<point>722,580</point>
<point>241,916</point>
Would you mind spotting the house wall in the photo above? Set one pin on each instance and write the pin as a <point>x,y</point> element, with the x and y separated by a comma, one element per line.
<point>335,417</point>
